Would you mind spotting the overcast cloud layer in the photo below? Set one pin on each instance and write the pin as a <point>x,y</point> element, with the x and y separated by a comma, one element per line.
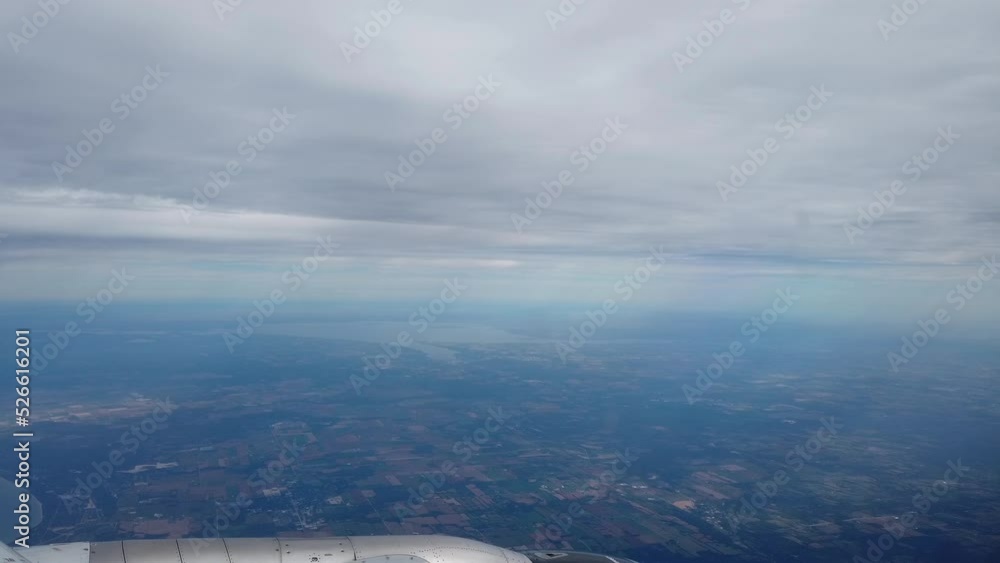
<point>686,123</point>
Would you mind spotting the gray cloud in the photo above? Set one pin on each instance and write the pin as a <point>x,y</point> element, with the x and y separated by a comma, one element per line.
<point>324,175</point>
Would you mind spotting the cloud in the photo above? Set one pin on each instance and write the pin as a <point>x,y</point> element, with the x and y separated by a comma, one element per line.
<point>324,174</point>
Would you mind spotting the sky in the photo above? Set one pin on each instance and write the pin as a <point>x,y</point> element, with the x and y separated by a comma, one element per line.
<point>313,106</point>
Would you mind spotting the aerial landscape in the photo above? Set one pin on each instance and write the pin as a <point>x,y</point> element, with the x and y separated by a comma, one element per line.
<point>502,440</point>
<point>533,281</point>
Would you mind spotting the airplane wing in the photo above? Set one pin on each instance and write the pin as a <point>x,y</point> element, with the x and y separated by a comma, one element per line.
<point>346,549</point>
<point>384,549</point>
